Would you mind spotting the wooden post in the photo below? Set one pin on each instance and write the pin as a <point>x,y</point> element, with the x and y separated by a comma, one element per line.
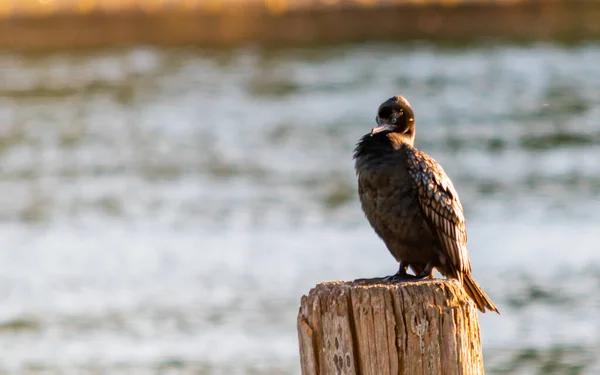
<point>372,328</point>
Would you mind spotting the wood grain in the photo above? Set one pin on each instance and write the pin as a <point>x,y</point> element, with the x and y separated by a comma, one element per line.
<point>373,328</point>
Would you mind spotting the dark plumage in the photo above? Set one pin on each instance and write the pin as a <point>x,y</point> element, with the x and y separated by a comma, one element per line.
<point>411,202</point>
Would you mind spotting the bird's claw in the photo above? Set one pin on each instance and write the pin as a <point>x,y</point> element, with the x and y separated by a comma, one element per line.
<point>399,277</point>
<point>427,273</point>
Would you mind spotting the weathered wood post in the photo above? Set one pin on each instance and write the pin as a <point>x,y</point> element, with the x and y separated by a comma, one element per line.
<point>373,328</point>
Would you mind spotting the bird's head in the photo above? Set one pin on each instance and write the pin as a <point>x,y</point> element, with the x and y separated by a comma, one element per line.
<point>396,116</point>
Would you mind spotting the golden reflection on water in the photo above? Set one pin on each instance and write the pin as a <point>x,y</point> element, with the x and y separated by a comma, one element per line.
<point>44,7</point>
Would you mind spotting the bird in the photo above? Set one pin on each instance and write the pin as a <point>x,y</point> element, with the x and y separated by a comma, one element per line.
<point>411,203</point>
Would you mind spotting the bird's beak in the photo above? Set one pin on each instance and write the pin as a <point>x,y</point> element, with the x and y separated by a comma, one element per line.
<point>381,128</point>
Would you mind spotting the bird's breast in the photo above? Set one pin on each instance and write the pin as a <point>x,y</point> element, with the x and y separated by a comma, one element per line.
<point>387,196</point>
<point>390,202</point>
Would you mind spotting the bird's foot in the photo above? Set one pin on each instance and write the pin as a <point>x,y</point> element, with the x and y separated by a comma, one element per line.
<point>427,273</point>
<point>399,277</point>
<point>423,276</point>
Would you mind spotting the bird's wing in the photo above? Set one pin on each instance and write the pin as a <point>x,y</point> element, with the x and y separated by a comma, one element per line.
<point>441,207</point>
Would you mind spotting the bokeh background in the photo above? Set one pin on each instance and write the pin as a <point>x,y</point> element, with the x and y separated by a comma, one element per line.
<point>164,204</point>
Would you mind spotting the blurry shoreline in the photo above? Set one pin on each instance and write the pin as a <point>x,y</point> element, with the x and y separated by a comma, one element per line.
<point>66,24</point>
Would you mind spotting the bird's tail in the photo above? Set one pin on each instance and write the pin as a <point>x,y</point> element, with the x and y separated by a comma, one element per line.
<point>477,294</point>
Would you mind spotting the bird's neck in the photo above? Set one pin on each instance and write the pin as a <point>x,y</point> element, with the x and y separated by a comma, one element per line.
<point>370,148</point>
<point>399,139</point>
<point>380,144</point>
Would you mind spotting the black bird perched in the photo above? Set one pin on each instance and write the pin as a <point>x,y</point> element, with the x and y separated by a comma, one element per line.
<point>411,202</point>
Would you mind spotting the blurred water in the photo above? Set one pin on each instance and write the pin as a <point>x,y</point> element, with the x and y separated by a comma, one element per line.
<point>162,211</point>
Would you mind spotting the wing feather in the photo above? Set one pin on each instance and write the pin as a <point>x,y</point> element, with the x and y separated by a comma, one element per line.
<point>441,207</point>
